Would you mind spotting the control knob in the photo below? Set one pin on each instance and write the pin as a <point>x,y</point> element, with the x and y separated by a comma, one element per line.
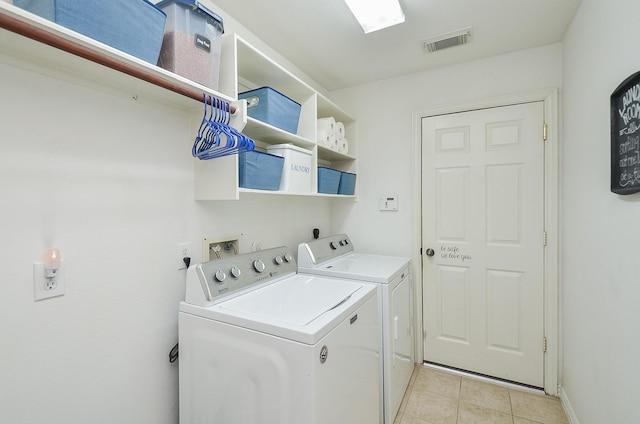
<point>259,266</point>
<point>278,260</point>
<point>235,272</point>
<point>333,245</point>
<point>220,276</point>
<point>288,257</point>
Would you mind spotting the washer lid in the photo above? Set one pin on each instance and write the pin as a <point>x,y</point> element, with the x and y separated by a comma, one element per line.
<point>298,300</point>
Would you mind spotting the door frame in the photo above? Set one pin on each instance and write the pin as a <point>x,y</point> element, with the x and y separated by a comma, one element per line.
<point>549,97</point>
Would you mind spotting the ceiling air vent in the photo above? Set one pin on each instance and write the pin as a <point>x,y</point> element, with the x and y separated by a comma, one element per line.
<point>443,41</point>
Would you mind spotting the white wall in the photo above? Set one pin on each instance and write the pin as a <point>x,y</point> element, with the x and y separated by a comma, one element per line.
<point>109,181</point>
<point>600,229</point>
<point>384,113</point>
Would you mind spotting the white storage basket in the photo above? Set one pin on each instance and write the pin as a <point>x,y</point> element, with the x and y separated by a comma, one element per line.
<point>296,173</point>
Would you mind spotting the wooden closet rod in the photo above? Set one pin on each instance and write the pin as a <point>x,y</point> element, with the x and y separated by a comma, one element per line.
<point>38,34</point>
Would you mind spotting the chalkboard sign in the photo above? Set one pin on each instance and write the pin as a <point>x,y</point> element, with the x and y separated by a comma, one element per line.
<point>625,136</point>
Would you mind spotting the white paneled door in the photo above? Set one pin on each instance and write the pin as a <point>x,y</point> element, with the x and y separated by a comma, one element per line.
<point>483,239</point>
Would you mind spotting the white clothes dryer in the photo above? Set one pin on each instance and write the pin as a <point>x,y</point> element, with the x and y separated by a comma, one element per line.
<point>262,344</point>
<point>334,256</point>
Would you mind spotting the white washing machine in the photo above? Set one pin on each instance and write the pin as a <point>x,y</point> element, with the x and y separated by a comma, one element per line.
<point>260,344</point>
<point>335,257</point>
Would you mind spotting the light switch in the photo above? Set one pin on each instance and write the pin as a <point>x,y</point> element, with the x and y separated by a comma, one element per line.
<point>389,203</point>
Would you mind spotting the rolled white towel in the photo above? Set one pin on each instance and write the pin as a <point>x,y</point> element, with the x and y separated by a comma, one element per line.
<point>335,143</point>
<point>326,124</point>
<point>339,130</point>
<point>325,138</point>
<point>343,146</point>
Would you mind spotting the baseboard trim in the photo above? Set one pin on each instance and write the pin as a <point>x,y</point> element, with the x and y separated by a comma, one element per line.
<point>566,405</point>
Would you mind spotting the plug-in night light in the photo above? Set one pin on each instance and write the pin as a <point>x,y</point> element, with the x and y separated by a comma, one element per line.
<point>51,263</point>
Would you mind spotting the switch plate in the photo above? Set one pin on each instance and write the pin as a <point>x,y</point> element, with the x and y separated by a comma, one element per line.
<point>183,251</point>
<point>389,203</point>
<point>43,287</point>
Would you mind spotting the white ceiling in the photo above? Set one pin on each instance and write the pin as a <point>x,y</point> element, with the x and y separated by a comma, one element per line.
<point>323,39</point>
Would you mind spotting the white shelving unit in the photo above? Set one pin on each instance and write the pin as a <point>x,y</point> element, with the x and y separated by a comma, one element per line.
<point>31,42</point>
<point>243,67</point>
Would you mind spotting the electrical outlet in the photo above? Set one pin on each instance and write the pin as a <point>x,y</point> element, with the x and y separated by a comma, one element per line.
<point>184,251</point>
<point>43,287</point>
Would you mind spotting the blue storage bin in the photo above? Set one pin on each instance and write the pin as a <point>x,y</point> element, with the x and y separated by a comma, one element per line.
<point>328,180</point>
<point>268,105</point>
<point>259,170</point>
<point>347,183</point>
<point>133,26</point>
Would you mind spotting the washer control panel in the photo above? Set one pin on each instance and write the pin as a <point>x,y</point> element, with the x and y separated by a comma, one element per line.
<point>324,249</point>
<point>220,278</point>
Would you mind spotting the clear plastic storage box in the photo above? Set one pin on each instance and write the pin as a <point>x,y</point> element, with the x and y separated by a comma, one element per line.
<point>135,27</point>
<point>192,41</point>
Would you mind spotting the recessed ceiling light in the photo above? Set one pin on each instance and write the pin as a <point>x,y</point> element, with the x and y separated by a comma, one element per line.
<point>374,15</point>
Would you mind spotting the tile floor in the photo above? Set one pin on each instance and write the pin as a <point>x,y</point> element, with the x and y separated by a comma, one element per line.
<point>439,397</point>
